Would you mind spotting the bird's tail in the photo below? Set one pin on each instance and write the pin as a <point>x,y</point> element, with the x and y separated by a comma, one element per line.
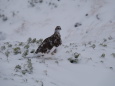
<point>37,51</point>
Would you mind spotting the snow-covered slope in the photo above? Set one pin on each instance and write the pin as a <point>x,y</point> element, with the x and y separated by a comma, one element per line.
<point>88,32</point>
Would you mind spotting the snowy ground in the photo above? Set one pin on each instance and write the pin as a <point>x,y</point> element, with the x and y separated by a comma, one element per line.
<point>86,56</point>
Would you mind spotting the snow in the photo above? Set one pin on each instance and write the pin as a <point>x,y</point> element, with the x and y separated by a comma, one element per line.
<point>93,40</point>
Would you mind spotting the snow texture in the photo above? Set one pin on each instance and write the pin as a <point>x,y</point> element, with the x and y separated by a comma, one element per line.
<point>86,56</point>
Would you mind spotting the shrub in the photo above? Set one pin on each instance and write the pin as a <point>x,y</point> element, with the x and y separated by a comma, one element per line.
<point>21,43</point>
<point>26,46</point>
<point>29,40</point>
<point>102,44</point>
<point>102,61</point>
<point>111,68</point>
<point>30,67</point>
<point>73,60</point>
<point>34,2</point>
<point>93,46</point>
<point>18,68</point>
<point>26,68</point>
<point>25,53</point>
<point>10,45</point>
<point>104,40</point>
<point>3,47</point>
<point>34,40</point>
<point>113,54</point>
<point>76,55</point>
<point>86,14</point>
<point>17,50</point>
<point>4,18</point>
<point>24,72</point>
<point>110,38</point>
<point>7,53</point>
<point>40,1</point>
<point>39,41</point>
<point>77,24</point>
<point>103,55</point>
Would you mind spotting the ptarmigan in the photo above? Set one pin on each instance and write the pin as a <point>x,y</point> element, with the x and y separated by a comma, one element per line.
<point>50,42</point>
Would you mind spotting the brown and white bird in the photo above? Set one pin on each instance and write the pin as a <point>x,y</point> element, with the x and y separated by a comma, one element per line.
<point>50,42</point>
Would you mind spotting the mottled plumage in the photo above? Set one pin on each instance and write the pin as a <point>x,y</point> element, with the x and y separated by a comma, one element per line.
<point>50,42</point>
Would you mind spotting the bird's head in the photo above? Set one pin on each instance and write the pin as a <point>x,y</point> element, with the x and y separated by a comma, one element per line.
<point>58,28</point>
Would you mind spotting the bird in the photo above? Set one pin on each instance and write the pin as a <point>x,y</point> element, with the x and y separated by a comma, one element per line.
<point>50,42</point>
